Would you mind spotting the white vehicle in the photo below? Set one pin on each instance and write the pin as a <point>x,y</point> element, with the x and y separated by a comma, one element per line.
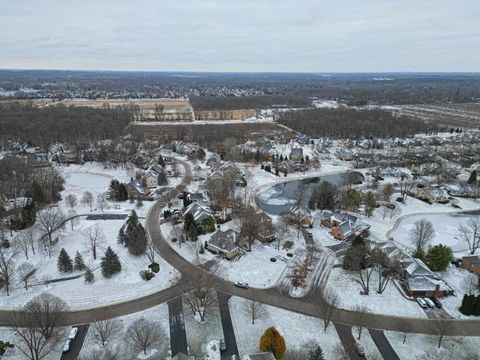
<point>73,333</point>
<point>241,284</point>
<point>66,346</point>
<point>429,302</point>
<point>422,303</point>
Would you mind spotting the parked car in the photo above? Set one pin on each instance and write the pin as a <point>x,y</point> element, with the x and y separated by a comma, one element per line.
<point>234,357</point>
<point>422,303</point>
<point>223,345</point>
<point>429,303</point>
<point>73,333</point>
<point>437,302</point>
<point>66,346</point>
<point>359,349</point>
<point>241,284</point>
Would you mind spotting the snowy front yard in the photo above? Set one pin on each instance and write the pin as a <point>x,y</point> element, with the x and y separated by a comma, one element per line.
<point>295,328</point>
<point>390,302</point>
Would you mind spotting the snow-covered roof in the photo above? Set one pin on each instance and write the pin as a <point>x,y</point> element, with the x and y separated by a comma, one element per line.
<point>260,356</point>
<point>416,267</point>
<point>426,283</point>
<point>224,240</point>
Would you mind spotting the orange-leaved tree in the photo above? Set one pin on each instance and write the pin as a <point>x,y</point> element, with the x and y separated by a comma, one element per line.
<point>271,340</point>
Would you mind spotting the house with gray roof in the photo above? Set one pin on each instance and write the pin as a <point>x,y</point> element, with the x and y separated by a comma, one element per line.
<point>224,243</point>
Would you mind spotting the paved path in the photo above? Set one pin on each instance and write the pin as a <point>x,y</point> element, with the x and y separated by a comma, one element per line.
<point>77,344</point>
<point>383,344</point>
<point>178,336</point>
<point>228,333</point>
<point>348,341</point>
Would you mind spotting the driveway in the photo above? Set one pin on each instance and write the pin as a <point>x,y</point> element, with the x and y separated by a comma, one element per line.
<point>178,337</point>
<point>383,344</point>
<point>228,333</point>
<point>77,344</point>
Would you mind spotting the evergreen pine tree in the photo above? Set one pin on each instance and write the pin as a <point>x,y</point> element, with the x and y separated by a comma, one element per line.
<point>370,203</point>
<point>78,262</point>
<point>121,237</point>
<point>38,194</point>
<point>316,353</point>
<point>473,178</point>
<point>89,276</point>
<point>110,263</point>
<point>161,162</point>
<point>137,239</point>
<point>64,262</point>
<point>476,307</point>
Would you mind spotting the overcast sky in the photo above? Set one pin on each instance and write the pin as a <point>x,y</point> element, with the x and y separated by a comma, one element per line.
<point>241,35</point>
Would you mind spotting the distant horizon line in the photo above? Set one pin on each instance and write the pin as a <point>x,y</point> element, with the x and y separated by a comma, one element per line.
<point>242,72</point>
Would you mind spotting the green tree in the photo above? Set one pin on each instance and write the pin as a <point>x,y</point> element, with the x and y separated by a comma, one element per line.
<point>468,304</point>
<point>78,262</point>
<point>438,257</point>
<point>352,200</point>
<point>64,262</point>
<point>38,194</point>
<point>476,308</point>
<point>271,340</point>
<point>370,203</point>
<point>110,263</point>
<point>473,178</point>
<point>89,276</point>
<point>4,346</point>
<point>315,353</point>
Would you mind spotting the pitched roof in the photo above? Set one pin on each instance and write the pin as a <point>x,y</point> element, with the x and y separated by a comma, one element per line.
<point>261,356</point>
<point>225,240</point>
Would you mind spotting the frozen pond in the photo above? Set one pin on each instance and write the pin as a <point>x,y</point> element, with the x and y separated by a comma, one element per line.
<point>279,198</point>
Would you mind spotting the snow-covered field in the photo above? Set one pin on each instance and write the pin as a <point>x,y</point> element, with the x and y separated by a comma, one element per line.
<point>457,279</point>
<point>295,328</point>
<point>124,286</point>
<point>446,226</point>
<point>417,345</point>
<point>158,314</point>
<point>390,302</point>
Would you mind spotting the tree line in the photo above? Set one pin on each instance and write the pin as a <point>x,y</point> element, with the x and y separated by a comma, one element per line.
<point>52,124</point>
<point>351,123</point>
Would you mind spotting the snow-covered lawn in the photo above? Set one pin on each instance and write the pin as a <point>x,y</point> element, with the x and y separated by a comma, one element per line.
<point>446,230</point>
<point>390,302</point>
<point>457,279</point>
<point>126,285</point>
<point>371,350</point>
<point>417,345</point>
<point>295,328</point>
<point>200,334</point>
<point>158,314</point>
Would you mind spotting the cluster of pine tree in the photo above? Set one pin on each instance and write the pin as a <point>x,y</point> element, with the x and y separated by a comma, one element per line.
<point>110,263</point>
<point>117,191</point>
<point>65,265</point>
<point>470,305</point>
<point>133,235</point>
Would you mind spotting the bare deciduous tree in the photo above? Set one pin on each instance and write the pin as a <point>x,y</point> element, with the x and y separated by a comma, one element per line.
<point>71,200</point>
<point>144,334</point>
<point>255,310</point>
<point>441,325</point>
<point>151,252</point>
<point>107,329</point>
<point>470,233</point>
<point>403,328</point>
<point>421,235</point>
<point>7,269</point>
<point>25,241</point>
<point>101,202</point>
<point>469,283</point>
<point>203,296</point>
<point>95,237</point>
<point>406,187</point>
<point>36,325</point>
<point>87,199</point>
<point>49,220</point>
<point>248,223</point>
<point>329,306</point>
<point>360,318</point>
<point>26,273</point>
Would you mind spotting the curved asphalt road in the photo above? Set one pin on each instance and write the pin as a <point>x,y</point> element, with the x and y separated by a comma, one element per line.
<point>273,296</point>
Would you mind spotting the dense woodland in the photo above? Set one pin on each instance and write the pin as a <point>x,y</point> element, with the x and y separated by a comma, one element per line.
<point>45,126</point>
<point>350,123</point>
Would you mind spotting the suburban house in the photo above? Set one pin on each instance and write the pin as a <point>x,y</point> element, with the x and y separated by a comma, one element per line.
<point>199,211</point>
<point>300,215</point>
<point>432,194</point>
<point>214,161</point>
<point>419,280</point>
<point>471,263</point>
<point>151,179</point>
<point>224,243</point>
<point>260,356</point>
<point>17,203</point>
<point>266,231</point>
<point>197,197</point>
<point>390,254</point>
<point>227,169</point>
<point>342,226</point>
<point>136,190</point>
<point>296,154</point>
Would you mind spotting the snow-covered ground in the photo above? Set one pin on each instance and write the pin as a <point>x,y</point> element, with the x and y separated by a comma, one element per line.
<point>417,345</point>
<point>390,302</point>
<point>158,314</point>
<point>457,279</point>
<point>446,226</point>
<point>295,328</point>
<point>126,285</point>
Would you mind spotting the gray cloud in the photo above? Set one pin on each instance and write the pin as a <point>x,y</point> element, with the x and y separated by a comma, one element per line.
<point>241,35</point>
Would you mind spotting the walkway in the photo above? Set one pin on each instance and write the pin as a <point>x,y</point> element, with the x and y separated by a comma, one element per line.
<point>178,336</point>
